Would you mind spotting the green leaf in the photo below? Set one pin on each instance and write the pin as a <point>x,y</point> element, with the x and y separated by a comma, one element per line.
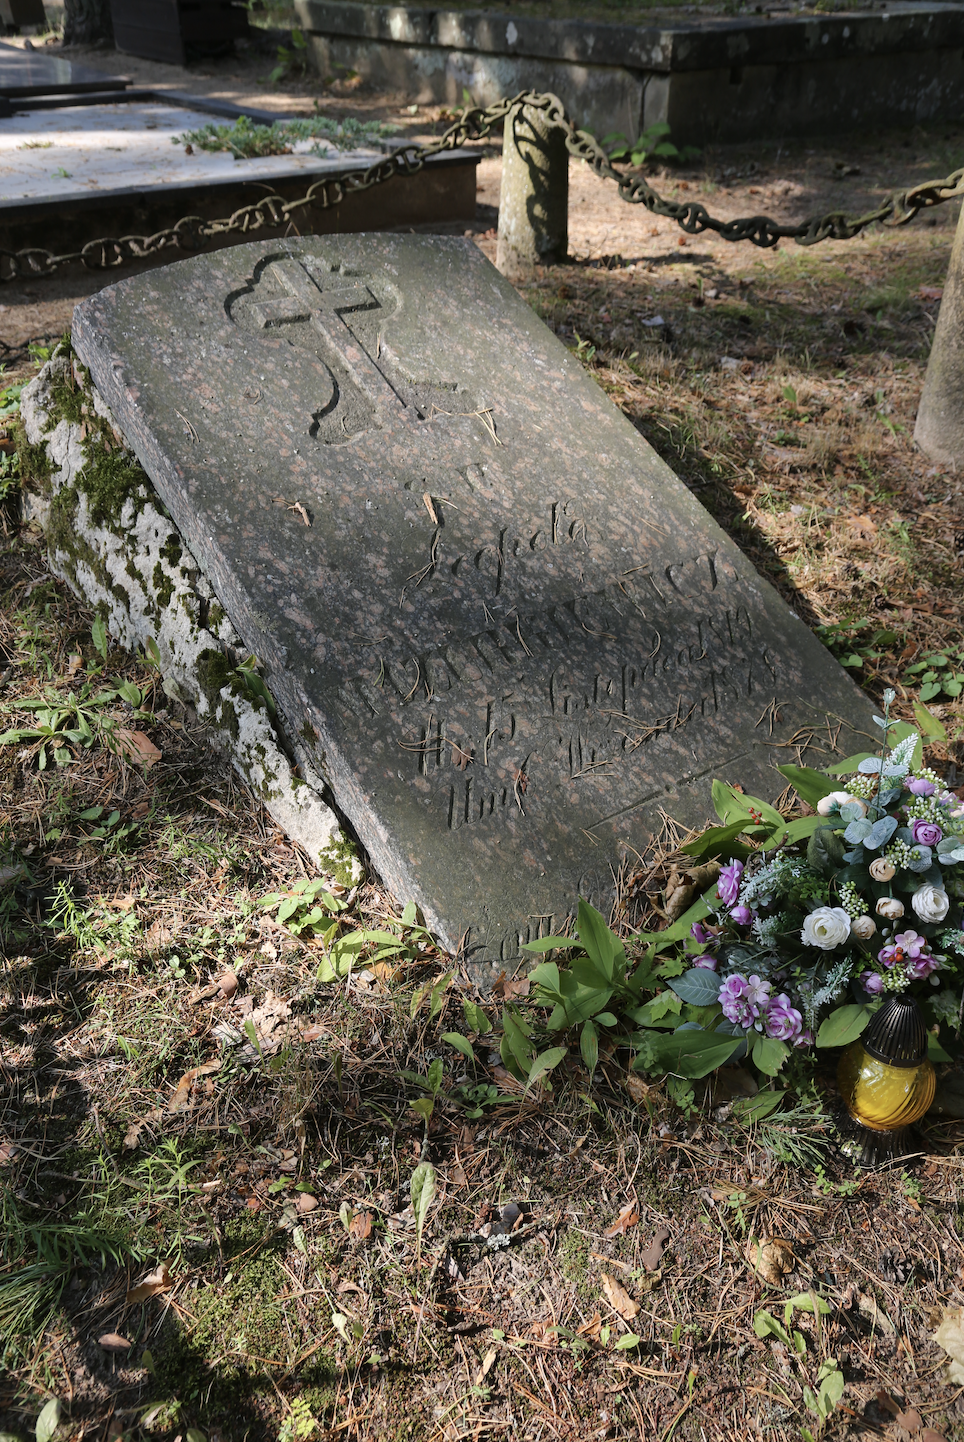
<point>600,944</point>
<point>768,1054</point>
<point>544,1063</point>
<point>930,727</point>
<point>825,850</point>
<point>718,841</point>
<point>49,1419</point>
<point>627,1342</point>
<point>425,1106</point>
<point>801,827</point>
<point>98,634</point>
<point>808,1302</point>
<point>518,1043</point>
<point>423,1194</point>
<point>699,986</point>
<point>843,1025</point>
<point>194,1434</point>
<point>693,1053</point>
<point>765,1325</point>
<point>849,763</point>
<point>460,1043</point>
<point>589,1047</point>
<point>831,1391</point>
<point>664,1004</point>
<point>935,1051</point>
<point>475,1018</point>
<point>551,943</point>
<point>731,805</point>
<point>754,1109</point>
<point>811,785</point>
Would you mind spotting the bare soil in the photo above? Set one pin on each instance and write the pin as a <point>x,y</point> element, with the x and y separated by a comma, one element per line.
<point>782,387</point>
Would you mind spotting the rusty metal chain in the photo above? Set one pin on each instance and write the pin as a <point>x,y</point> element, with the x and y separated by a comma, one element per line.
<point>192,231</point>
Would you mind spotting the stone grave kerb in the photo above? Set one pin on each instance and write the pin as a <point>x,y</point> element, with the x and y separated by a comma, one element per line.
<point>508,634</point>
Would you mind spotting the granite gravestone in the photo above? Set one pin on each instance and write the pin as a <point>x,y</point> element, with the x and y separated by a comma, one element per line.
<point>509,634</point>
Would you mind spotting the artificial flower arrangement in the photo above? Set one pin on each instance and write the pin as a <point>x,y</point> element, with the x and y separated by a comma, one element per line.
<point>812,922</point>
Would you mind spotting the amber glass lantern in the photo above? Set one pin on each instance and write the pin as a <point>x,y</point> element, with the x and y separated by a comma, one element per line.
<point>886,1081</point>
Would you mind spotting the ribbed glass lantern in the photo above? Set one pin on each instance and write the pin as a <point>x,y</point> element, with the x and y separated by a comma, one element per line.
<point>885,1079</point>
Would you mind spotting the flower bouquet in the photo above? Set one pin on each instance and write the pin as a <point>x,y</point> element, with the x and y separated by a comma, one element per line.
<point>812,922</point>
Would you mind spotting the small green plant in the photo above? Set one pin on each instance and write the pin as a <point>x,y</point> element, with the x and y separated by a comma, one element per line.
<point>828,1188</point>
<point>585,349</point>
<point>940,673</point>
<point>293,62</point>
<point>827,1388</point>
<point>845,639</point>
<point>654,141</point>
<point>431,1084</point>
<point>246,139</point>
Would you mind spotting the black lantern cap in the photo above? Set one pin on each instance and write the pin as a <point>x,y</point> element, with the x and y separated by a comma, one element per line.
<point>897,1035</point>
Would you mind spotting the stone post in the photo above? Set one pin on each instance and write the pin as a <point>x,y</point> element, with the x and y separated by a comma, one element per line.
<point>534,204</point>
<point>940,420</point>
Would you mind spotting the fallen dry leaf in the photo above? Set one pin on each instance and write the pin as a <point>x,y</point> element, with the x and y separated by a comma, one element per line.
<point>158,1281</point>
<point>306,1202</point>
<point>628,1217</point>
<point>867,1306</point>
<point>360,1226</point>
<point>929,1435</point>
<point>653,1254</point>
<point>136,747</point>
<point>950,1336</point>
<point>487,1363</point>
<point>618,1298</point>
<point>112,1342</point>
<point>591,1328</point>
<point>771,1259</point>
<point>910,1420</point>
<point>637,1088</point>
<point>182,1093</point>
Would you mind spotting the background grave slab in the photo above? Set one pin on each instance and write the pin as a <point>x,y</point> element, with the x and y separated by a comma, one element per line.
<point>506,630</point>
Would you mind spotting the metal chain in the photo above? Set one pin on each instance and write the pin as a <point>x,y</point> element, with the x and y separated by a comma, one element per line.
<point>192,231</point>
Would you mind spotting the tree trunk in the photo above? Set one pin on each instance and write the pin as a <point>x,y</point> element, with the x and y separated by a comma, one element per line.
<point>88,22</point>
<point>534,203</point>
<point>940,420</point>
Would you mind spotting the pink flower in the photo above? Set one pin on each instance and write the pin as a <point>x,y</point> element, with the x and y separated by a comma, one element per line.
<point>742,915</point>
<point>736,1007</point>
<point>917,786</point>
<point>906,946</point>
<point>872,982</point>
<point>917,967</point>
<point>706,963</point>
<point>728,886</point>
<point>699,933</point>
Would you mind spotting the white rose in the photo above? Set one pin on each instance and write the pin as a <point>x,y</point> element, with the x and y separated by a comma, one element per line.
<point>881,869</point>
<point>863,928</point>
<point>826,927</point>
<point>930,902</point>
<point>890,907</point>
<point>827,804</point>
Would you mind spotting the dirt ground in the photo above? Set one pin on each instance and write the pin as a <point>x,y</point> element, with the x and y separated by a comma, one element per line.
<point>586,1269</point>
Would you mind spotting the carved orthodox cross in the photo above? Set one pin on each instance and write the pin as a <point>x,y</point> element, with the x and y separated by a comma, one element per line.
<point>325,310</point>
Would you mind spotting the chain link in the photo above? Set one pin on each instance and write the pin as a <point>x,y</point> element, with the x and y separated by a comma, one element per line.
<point>475,124</point>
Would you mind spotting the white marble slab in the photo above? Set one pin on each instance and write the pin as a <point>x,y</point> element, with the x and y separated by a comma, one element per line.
<point>71,154</point>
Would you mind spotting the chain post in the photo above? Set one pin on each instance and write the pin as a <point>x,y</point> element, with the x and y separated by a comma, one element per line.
<point>940,418</point>
<point>534,202</point>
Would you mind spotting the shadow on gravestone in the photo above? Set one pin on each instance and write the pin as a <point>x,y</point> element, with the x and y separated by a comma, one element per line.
<point>508,633</point>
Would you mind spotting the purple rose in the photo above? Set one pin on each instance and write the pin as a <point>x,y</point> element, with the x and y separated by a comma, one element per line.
<point>917,786</point>
<point>783,1021</point>
<point>742,915</point>
<point>736,1008</point>
<point>804,1039</point>
<point>706,963</point>
<point>872,982</point>
<point>728,886</point>
<point>925,833</point>
<point>699,933</point>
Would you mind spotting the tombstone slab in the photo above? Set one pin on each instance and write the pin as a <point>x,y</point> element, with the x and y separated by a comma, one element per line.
<point>508,632</point>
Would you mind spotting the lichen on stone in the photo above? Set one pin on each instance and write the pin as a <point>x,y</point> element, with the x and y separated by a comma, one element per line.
<point>111,539</point>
